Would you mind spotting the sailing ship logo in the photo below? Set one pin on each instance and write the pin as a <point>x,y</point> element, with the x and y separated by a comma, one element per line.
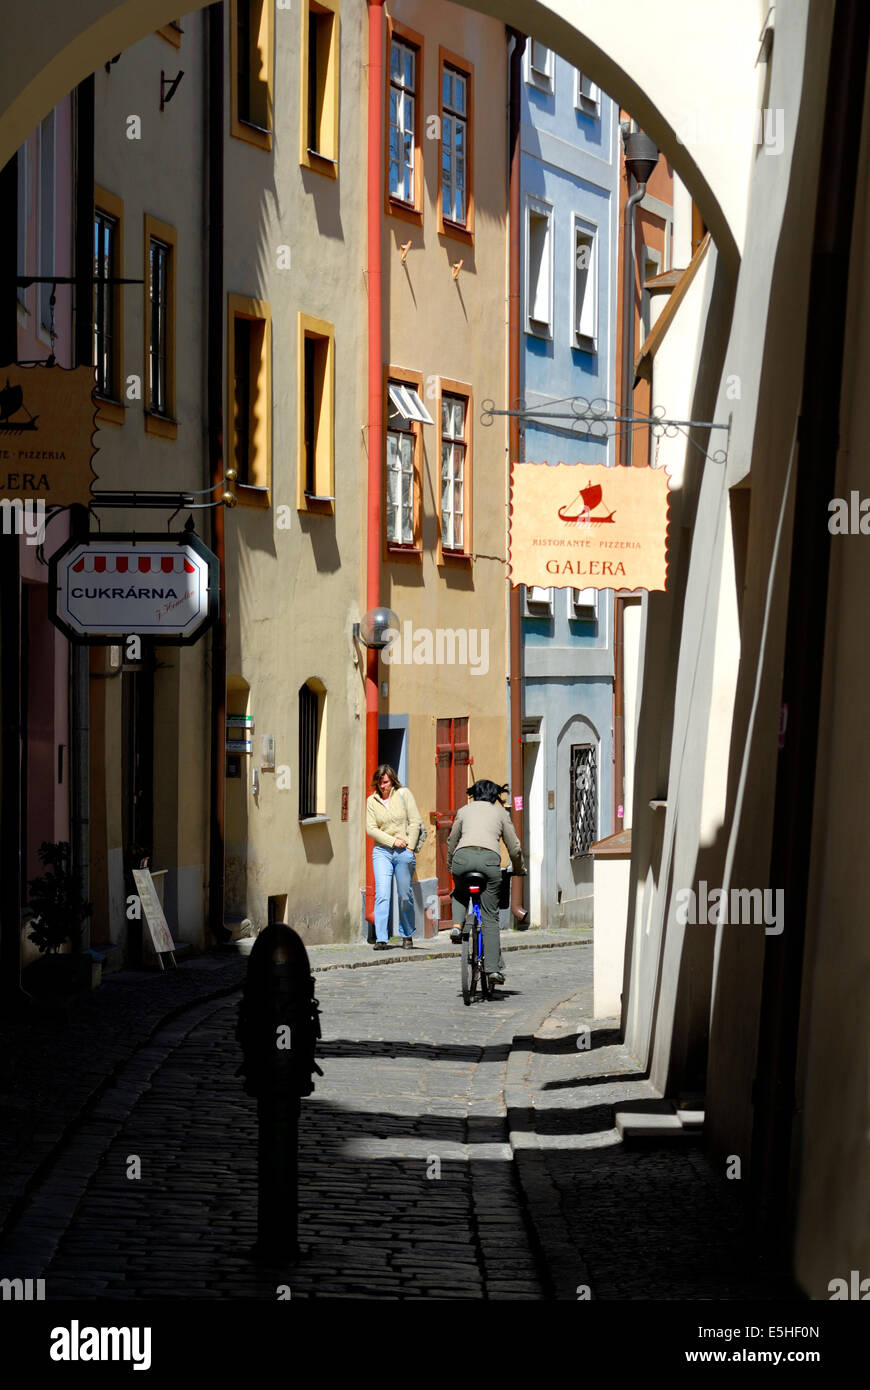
<point>579,512</point>
<point>11,401</point>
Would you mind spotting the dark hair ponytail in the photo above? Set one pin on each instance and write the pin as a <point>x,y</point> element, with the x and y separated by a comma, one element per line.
<point>485,790</point>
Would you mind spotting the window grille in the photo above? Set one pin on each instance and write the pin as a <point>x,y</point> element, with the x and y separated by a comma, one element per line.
<point>159,297</point>
<point>584,799</point>
<point>105,244</point>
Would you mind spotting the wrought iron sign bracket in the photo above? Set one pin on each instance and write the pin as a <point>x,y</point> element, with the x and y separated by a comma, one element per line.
<point>601,419</point>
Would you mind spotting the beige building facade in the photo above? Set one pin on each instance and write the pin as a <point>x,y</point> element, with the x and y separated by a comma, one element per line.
<point>443,707</point>
<point>149,772</point>
<point>294,286</point>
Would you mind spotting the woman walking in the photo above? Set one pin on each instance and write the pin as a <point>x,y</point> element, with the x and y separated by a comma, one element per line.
<point>393,822</point>
<point>473,843</point>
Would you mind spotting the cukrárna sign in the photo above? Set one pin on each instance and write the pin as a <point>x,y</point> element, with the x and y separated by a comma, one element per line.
<point>588,526</point>
<point>47,426</point>
<point>113,586</point>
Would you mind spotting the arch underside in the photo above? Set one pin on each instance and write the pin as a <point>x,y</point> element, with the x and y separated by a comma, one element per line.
<point>679,73</point>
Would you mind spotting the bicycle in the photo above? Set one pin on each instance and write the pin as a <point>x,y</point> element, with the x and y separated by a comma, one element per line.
<point>471,955</point>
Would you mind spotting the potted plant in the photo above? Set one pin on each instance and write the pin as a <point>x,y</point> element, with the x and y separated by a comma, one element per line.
<point>59,913</point>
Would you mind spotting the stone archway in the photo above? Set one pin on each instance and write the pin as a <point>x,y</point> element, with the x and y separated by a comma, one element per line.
<point>680,75</point>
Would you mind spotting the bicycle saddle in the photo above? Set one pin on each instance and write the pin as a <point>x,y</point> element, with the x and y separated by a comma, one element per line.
<point>473,879</point>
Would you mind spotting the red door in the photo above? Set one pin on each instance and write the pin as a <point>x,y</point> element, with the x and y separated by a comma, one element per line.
<point>453,762</point>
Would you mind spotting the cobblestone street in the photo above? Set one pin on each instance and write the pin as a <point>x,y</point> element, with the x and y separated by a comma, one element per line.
<point>447,1152</point>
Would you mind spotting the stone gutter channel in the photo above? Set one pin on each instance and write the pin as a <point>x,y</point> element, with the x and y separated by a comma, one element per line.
<point>45,1205</point>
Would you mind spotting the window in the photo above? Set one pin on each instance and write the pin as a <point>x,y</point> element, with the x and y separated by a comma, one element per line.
<point>401,491</point>
<point>584,327</point>
<point>539,65</point>
<point>455,472</point>
<point>457,204</point>
<point>319,68</point>
<point>160,248</point>
<point>583,604</point>
<point>252,38</point>
<point>539,268</point>
<point>250,371</point>
<point>539,601</point>
<point>586,95</point>
<point>584,799</point>
<point>651,262</point>
<point>404,156</point>
<point>406,414</point>
<point>108,304</point>
<point>46,215</point>
<point>312,762</point>
<point>22,222</point>
<point>316,416</point>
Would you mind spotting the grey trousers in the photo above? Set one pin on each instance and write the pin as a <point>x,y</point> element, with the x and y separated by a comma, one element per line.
<point>485,861</point>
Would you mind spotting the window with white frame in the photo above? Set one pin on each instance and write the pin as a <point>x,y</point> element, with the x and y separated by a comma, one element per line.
<point>584,326</point>
<point>403,98</point>
<point>454,410</point>
<point>539,268</point>
<point>539,601</point>
<point>401,445</point>
<point>652,266</point>
<point>539,65</point>
<point>586,94</point>
<point>583,604</point>
<point>454,143</point>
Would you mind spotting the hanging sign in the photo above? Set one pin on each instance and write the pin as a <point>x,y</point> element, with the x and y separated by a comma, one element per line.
<point>47,426</point>
<point>118,585</point>
<point>587,526</point>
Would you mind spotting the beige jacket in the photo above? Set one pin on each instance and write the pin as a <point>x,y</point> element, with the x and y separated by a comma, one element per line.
<point>484,823</point>
<point>386,824</point>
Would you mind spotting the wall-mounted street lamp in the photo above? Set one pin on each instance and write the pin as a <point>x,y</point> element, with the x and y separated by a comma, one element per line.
<point>374,626</point>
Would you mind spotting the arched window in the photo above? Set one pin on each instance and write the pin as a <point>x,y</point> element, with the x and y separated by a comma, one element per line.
<point>312,760</point>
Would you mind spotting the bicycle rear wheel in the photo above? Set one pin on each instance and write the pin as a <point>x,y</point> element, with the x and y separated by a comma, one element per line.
<point>466,955</point>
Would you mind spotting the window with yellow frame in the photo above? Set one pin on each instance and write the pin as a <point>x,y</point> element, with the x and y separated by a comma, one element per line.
<point>315,416</point>
<point>161,249</point>
<point>249,376</point>
<point>319,81</point>
<point>252,69</point>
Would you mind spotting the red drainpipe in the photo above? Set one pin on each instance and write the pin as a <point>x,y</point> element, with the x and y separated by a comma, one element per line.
<point>376,406</point>
<point>515,440</point>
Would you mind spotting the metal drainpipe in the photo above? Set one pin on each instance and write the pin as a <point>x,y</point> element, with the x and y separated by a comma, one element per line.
<point>375,384</point>
<point>215,409</point>
<point>83,348</point>
<point>13,998</point>
<point>626,440</point>
<point>515,658</point>
<point>818,443</point>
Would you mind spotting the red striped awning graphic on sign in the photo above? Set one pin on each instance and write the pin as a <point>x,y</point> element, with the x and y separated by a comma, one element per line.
<point>132,564</point>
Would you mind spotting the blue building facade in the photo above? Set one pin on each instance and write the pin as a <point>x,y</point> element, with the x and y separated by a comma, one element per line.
<point>570,206</point>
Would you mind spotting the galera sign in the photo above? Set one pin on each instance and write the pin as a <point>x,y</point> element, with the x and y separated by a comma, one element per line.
<point>115,585</point>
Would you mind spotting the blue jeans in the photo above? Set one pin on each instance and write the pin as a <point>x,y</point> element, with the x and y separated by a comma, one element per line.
<point>386,863</point>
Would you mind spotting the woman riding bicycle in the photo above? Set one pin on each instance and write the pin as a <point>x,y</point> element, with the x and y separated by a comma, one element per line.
<point>473,843</point>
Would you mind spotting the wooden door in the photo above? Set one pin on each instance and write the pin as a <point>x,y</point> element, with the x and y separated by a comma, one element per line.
<point>453,760</point>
